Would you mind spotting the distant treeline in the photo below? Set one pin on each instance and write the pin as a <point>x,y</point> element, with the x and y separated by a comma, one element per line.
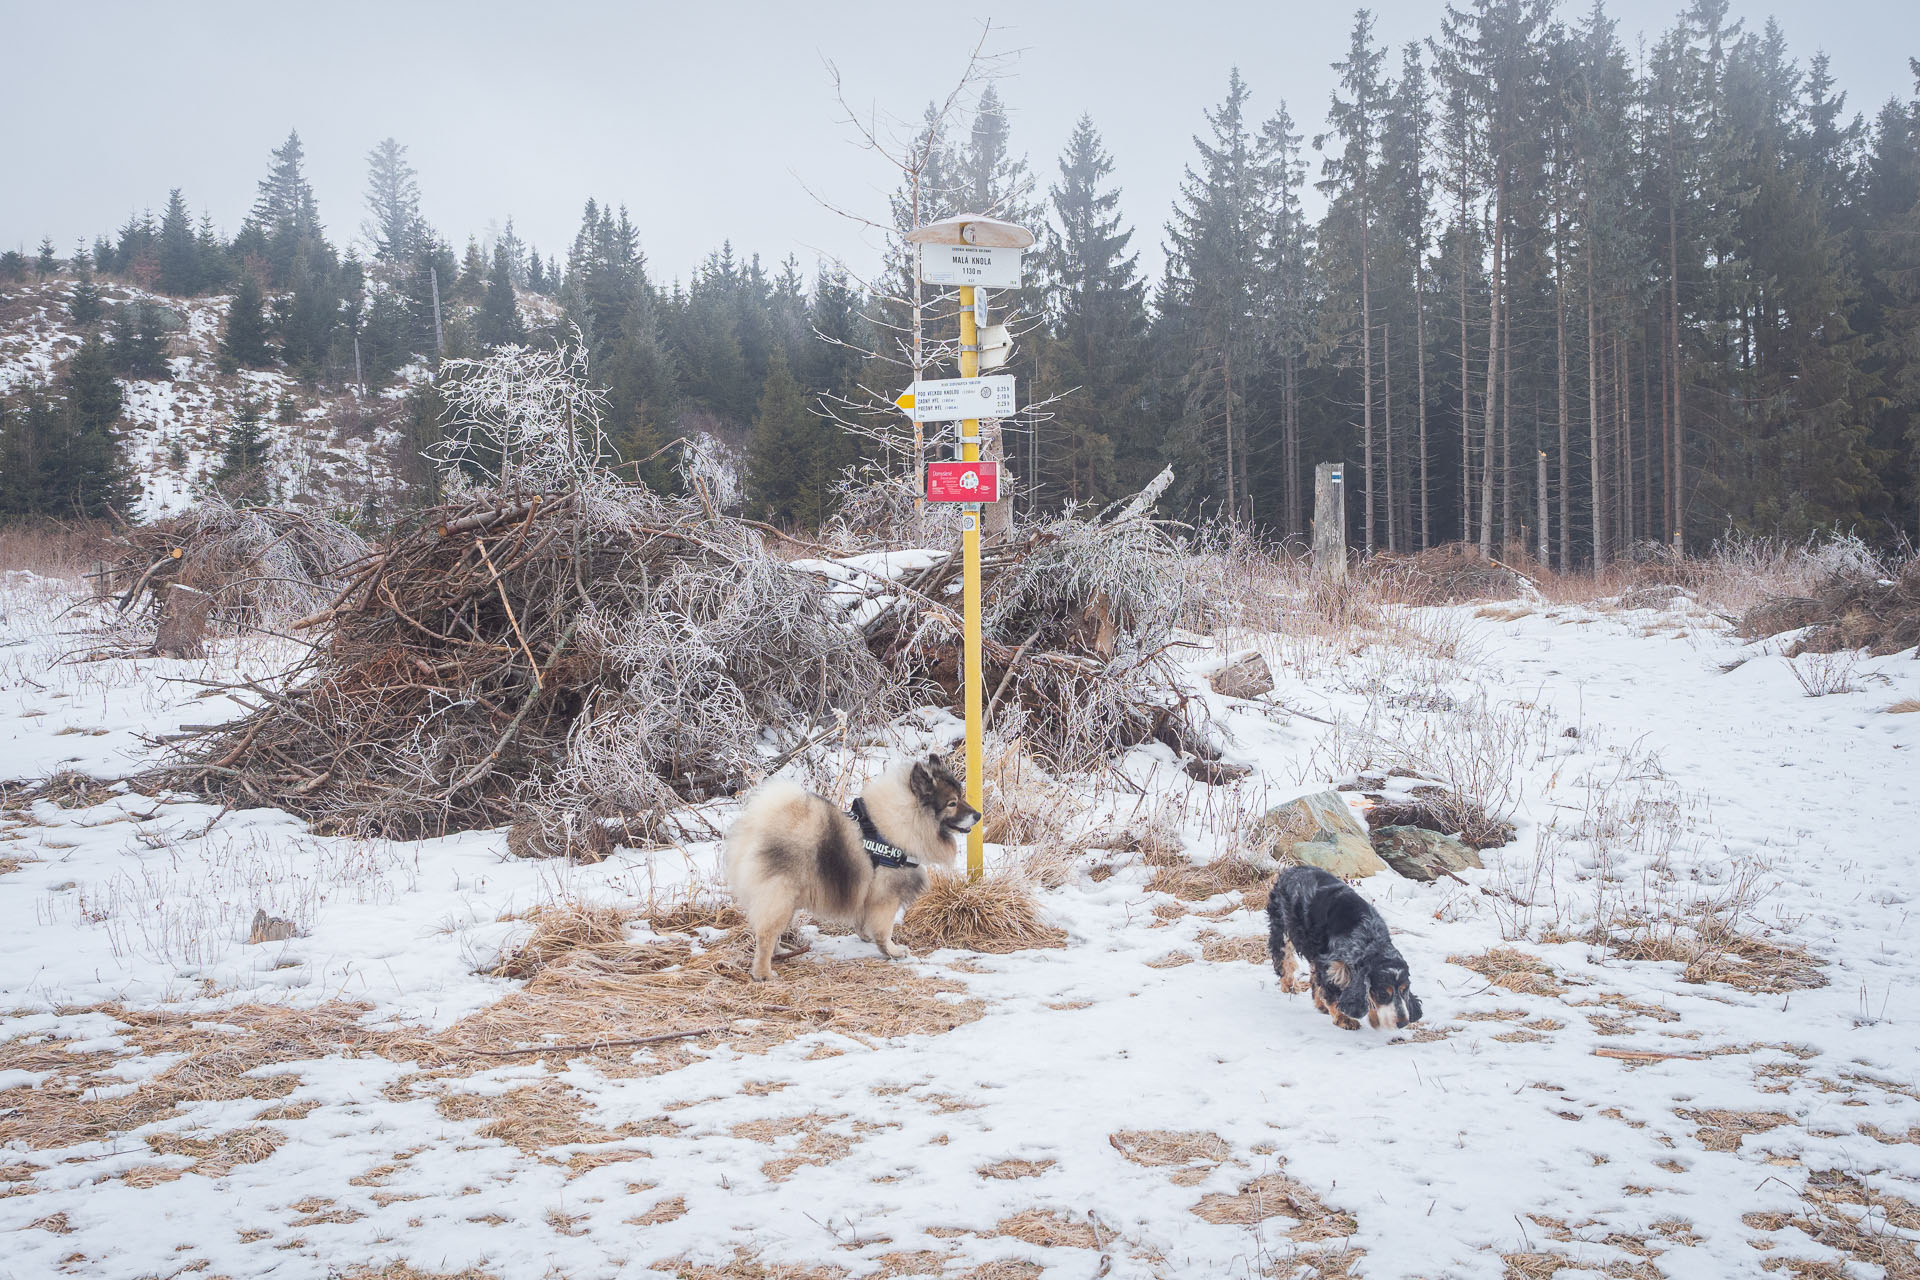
<point>1559,296</point>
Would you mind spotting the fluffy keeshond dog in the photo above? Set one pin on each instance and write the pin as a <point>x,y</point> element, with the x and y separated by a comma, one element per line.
<point>791,849</point>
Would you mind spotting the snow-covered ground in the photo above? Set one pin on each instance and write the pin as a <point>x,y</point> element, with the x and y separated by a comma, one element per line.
<point>1142,1101</point>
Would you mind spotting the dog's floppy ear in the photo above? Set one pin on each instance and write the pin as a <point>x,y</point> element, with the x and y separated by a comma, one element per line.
<point>922,782</point>
<point>1353,1001</point>
<point>1414,1011</point>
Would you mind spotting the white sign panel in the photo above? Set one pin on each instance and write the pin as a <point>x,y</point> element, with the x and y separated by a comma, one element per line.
<point>970,264</point>
<point>951,399</point>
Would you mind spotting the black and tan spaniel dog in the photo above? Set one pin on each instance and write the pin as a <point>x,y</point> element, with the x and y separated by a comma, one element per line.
<point>1355,970</point>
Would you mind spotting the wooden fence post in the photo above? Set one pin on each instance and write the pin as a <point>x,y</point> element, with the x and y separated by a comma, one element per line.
<point>1329,522</point>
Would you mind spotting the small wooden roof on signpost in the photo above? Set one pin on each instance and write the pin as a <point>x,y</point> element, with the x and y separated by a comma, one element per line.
<point>974,229</point>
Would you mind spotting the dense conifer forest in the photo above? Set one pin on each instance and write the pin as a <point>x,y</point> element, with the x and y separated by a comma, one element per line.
<point>1534,285</point>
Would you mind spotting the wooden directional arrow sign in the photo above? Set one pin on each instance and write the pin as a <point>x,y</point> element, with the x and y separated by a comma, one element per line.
<point>951,399</point>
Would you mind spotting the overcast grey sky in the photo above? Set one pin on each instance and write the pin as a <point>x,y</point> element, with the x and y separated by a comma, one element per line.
<point>702,120</point>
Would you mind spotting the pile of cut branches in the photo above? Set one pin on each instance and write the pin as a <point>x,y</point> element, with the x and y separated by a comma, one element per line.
<point>263,566</point>
<point>1078,618</point>
<point>597,654</point>
<point>1451,573</point>
<point>1851,609</point>
<point>551,638</point>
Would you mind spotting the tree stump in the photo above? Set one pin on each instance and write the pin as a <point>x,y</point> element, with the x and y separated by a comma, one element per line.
<point>1246,676</point>
<point>183,623</point>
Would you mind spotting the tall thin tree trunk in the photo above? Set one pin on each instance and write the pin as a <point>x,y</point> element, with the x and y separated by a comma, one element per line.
<point>1227,377</point>
<point>1596,460</point>
<point>1623,401</point>
<point>1366,364</point>
<point>1466,408</point>
<point>1290,443</point>
<point>1646,428</point>
<point>1420,390</point>
<point>1673,281</point>
<point>1386,387</point>
<point>1667,505</point>
<point>1507,485</point>
<point>1560,352</point>
<point>1493,367</point>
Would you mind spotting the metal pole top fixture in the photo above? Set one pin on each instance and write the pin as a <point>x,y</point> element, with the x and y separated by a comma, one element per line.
<point>974,229</point>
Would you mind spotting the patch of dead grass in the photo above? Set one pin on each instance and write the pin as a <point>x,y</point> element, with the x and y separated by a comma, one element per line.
<point>1199,881</point>
<point>1171,1148</point>
<point>1514,970</point>
<point>219,1155</point>
<point>1275,1195</point>
<point>1722,1130</point>
<point>1048,1228</point>
<point>1011,1168</point>
<point>1218,948</point>
<point>407,1271</point>
<point>1846,1215</point>
<point>1711,951</point>
<point>744,1266</point>
<point>997,913</point>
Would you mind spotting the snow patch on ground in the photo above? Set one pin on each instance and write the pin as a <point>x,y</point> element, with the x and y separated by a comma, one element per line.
<point>1647,777</point>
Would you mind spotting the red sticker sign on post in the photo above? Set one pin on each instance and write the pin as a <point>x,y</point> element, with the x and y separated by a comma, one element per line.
<point>963,482</point>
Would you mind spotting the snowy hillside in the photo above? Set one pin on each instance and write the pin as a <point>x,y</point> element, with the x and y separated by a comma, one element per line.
<point>1670,1029</point>
<point>338,450</point>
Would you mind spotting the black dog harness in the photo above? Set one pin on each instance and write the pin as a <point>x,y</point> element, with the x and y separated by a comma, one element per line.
<point>882,853</point>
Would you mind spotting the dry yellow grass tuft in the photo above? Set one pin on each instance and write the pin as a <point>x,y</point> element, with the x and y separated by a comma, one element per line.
<point>1170,1148</point>
<point>667,1210</point>
<point>217,1156</point>
<point>997,913</point>
<point>1275,1195</point>
<point>407,1271</point>
<point>540,1116</point>
<point>1906,706</point>
<point>1722,1130</point>
<point>745,1266</point>
<point>564,929</point>
<point>1014,1168</point>
<point>1197,882</point>
<point>1218,948</point>
<point>1513,970</point>
<point>1048,1228</point>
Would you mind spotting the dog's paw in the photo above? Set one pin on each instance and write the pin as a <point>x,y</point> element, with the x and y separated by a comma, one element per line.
<point>894,951</point>
<point>1345,1023</point>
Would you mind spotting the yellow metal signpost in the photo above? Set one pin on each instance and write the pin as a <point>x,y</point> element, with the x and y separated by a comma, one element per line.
<point>983,250</point>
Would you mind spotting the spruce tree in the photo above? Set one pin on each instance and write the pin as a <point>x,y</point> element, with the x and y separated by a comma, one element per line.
<point>13,266</point>
<point>779,461</point>
<point>83,304</point>
<point>245,339</point>
<point>140,341</point>
<point>179,251</point>
<point>285,213</point>
<point>1209,303</point>
<point>89,474</point>
<point>46,262</point>
<point>242,474</point>
<point>393,227</point>
<point>1097,348</point>
<point>498,324</point>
